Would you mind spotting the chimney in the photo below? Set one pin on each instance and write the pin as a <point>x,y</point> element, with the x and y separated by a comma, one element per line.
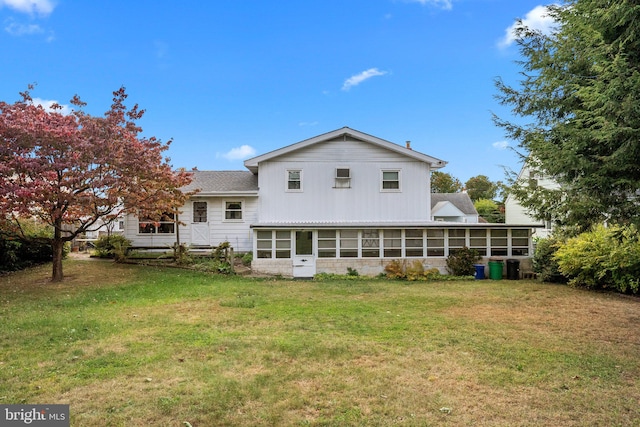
<point>409,145</point>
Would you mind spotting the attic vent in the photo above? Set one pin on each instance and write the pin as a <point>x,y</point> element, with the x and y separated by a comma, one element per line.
<point>343,173</point>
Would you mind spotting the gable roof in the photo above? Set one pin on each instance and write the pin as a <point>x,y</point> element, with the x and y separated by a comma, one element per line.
<point>252,164</point>
<point>215,183</point>
<point>462,201</point>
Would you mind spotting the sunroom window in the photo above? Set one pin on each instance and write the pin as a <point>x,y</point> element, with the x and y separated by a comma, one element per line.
<point>392,243</point>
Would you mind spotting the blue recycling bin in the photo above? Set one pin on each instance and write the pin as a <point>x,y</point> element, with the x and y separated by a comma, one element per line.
<point>479,275</point>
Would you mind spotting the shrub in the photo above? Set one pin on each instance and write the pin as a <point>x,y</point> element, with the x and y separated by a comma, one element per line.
<point>181,254</point>
<point>460,262</point>
<point>247,258</point>
<point>603,258</point>
<point>544,261</point>
<point>112,246</point>
<point>415,271</point>
<point>352,272</point>
<point>17,254</point>
<point>395,270</point>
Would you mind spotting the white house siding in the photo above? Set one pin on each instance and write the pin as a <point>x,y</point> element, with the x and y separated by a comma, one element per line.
<point>238,233</point>
<point>515,213</point>
<point>363,201</point>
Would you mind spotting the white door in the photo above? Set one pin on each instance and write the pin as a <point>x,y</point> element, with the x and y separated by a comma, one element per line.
<point>200,225</point>
<point>304,261</point>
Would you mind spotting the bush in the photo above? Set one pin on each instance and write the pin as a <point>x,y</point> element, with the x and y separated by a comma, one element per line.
<point>395,270</point>
<point>415,271</point>
<point>112,246</point>
<point>460,262</point>
<point>17,254</point>
<point>247,258</point>
<point>604,258</point>
<point>544,262</point>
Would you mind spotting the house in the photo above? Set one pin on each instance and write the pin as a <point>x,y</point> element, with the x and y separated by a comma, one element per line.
<point>453,207</point>
<point>222,210</point>
<point>343,199</point>
<point>515,213</point>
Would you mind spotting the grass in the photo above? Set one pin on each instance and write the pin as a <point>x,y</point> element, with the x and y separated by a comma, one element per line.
<point>127,345</point>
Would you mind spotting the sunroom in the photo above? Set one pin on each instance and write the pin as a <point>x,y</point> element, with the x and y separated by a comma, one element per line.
<point>305,251</point>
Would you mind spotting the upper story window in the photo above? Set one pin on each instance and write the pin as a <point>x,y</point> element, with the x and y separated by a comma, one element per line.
<point>294,180</point>
<point>166,225</point>
<point>233,211</point>
<point>390,180</point>
<point>343,178</point>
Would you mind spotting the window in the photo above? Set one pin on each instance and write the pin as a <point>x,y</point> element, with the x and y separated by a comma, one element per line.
<point>294,180</point>
<point>371,243</point>
<point>478,241</point>
<point>520,242</point>
<point>273,244</point>
<point>390,180</point>
<point>283,244</point>
<point>348,243</point>
<point>166,225</point>
<point>343,173</point>
<point>456,239</point>
<point>264,244</point>
<point>199,211</point>
<point>435,242</point>
<point>233,211</point>
<point>413,243</point>
<point>343,178</point>
<point>392,243</point>
<point>499,244</point>
<point>327,244</point>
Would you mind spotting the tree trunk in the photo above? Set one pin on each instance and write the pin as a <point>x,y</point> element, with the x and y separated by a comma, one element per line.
<point>57,245</point>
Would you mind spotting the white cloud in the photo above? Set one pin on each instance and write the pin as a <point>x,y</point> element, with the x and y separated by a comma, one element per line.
<point>359,78</point>
<point>16,29</point>
<point>47,105</point>
<point>444,4</point>
<point>501,145</point>
<point>536,19</point>
<point>41,7</point>
<point>240,153</point>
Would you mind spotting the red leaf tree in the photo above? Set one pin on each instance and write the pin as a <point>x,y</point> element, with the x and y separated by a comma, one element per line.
<point>77,172</point>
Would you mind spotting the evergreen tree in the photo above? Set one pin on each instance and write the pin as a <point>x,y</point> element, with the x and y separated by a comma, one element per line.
<point>580,101</point>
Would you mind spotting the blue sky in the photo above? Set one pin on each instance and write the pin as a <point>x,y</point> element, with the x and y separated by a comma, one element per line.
<point>228,80</point>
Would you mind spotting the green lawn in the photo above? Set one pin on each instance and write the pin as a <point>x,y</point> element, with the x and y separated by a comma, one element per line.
<point>128,345</point>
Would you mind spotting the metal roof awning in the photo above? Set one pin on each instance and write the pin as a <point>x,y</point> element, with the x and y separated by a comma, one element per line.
<point>387,224</point>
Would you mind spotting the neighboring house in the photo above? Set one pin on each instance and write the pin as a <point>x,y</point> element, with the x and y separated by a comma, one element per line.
<point>343,199</point>
<point>453,207</point>
<point>517,214</point>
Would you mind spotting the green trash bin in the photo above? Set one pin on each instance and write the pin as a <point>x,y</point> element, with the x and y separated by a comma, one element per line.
<point>495,269</point>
